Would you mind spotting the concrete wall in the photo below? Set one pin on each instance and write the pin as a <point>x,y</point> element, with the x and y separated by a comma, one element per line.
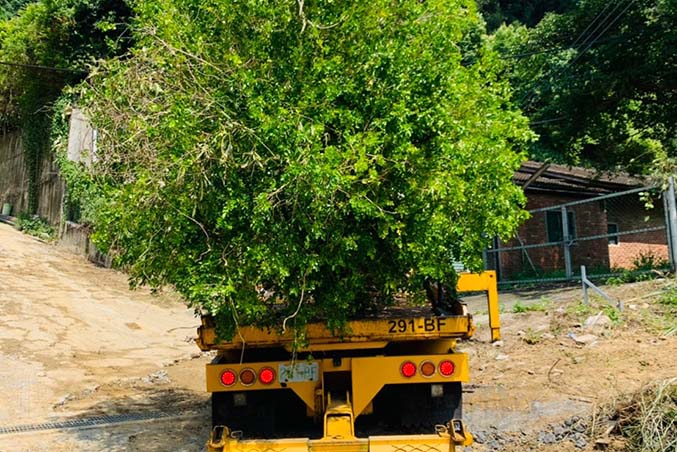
<point>13,174</point>
<point>14,180</point>
<point>75,238</point>
<point>51,191</point>
<point>14,185</point>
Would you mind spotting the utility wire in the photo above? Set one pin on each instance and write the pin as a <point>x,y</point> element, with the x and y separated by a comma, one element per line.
<point>618,16</point>
<point>519,56</point>
<point>573,44</point>
<point>590,25</point>
<point>532,95</point>
<point>601,33</point>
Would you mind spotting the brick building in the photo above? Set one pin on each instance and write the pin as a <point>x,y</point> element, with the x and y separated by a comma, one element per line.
<point>607,234</point>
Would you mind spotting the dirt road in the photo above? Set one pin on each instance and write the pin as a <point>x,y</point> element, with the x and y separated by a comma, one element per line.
<point>76,343</point>
<point>74,340</point>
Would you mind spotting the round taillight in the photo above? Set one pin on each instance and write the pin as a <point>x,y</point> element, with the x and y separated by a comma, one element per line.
<point>446,368</point>
<point>408,369</point>
<point>427,368</point>
<point>228,377</point>
<point>247,377</point>
<point>267,375</point>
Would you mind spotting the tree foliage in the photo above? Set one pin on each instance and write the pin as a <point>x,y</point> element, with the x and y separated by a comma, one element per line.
<point>525,12</point>
<point>44,48</point>
<point>599,82</point>
<point>309,158</point>
<point>10,8</point>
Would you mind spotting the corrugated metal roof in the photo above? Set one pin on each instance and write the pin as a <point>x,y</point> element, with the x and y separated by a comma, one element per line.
<point>573,179</point>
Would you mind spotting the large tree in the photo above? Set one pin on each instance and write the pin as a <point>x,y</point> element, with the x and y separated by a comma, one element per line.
<point>291,158</point>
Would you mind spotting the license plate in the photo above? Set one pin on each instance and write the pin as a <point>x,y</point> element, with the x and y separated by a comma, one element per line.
<point>413,326</point>
<point>299,372</point>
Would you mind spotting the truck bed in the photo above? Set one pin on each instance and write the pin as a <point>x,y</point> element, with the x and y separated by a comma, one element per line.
<point>395,324</point>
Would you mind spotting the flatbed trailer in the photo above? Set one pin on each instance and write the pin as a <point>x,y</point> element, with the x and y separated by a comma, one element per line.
<point>393,373</point>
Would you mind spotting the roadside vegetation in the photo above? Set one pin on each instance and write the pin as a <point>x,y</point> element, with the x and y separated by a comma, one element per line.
<point>645,420</point>
<point>35,226</point>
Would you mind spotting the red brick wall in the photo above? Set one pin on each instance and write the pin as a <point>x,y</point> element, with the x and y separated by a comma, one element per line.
<point>589,218</point>
<point>630,214</point>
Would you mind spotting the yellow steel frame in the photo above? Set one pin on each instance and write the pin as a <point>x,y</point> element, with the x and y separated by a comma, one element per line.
<point>368,374</point>
<point>368,333</point>
<point>441,442</point>
<point>484,282</point>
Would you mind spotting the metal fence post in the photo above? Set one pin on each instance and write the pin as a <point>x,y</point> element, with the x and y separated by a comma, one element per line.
<point>672,223</point>
<point>584,276</point>
<point>566,241</point>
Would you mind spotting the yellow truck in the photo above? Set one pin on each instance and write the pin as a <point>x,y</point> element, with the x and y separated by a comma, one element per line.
<point>388,375</point>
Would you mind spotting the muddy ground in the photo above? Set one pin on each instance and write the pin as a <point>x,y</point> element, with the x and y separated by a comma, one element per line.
<point>75,342</point>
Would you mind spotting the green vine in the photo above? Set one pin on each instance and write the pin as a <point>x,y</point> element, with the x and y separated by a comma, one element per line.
<point>35,123</point>
<point>51,42</point>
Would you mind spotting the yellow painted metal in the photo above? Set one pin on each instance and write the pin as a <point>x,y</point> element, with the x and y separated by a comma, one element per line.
<point>370,374</point>
<point>363,334</point>
<point>369,333</point>
<point>339,421</point>
<point>420,339</point>
<point>339,445</point>
<point>400,443</point>
<point>305,390</point>
<point>224,441</point>
<point>484,282</point>
<point>339,437</point>
<point>326,347</point>
<point>411,443</point>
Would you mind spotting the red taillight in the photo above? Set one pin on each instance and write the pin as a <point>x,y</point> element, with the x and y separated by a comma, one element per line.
<point>446,368</point>
<point>228,378</point>
<point>427,368</point>
<point>247,377</point>
<point>266,375</point>
<point>408,369</point>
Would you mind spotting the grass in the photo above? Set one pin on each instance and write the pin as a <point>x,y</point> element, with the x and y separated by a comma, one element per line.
<point>647,419</point>
<point>581,311</point>
<point>668,304</point>
<point>669,298</point>
<point>532,336</point>
<point>541,306</point>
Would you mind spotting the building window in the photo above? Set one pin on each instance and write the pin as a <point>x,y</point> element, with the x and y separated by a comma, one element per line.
<point>612,229</point>
<point>553,222</point>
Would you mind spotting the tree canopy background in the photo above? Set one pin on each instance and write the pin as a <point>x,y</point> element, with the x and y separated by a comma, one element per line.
<point>598,82</point>
<point>272,159</point>
<point>46,46</point>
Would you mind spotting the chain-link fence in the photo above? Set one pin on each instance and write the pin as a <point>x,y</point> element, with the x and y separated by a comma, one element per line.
<point>617,235</point>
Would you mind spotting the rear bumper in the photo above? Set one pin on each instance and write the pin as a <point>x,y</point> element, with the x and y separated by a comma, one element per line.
<point>446,440</point>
